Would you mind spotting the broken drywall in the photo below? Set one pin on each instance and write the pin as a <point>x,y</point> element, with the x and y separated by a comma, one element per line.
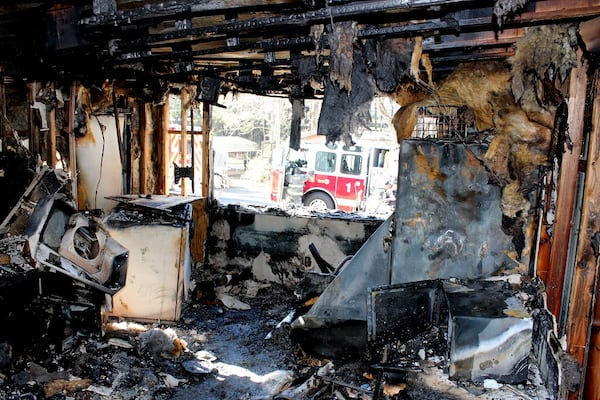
<point>275,246</point>
<point>99,164</point>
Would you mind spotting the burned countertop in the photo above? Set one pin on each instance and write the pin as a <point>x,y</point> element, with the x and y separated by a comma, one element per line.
<point>150,210</point>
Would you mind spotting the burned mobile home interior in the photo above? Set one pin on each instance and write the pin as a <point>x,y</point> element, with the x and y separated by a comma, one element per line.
<point>481,284</point>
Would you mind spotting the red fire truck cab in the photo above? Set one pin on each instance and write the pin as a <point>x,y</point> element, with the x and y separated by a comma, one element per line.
<point>332,176</point>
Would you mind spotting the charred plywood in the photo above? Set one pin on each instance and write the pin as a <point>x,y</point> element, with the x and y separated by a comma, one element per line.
<point>448,219</point>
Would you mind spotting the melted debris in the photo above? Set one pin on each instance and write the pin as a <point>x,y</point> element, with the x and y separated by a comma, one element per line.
<point>218,353</point>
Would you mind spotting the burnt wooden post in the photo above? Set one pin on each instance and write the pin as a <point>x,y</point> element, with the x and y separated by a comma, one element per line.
<point>566,191</point>
<point>183,143</point>
<point>34,130</point>
<point>544,240</point>
<point>3,108</point>
<point>163,150</point>
<point>146,131</point>
<point>51,158</point>
<point>583,329</point>
<point>205,149</point>
<point>200,207</point>
<point>72,141</point>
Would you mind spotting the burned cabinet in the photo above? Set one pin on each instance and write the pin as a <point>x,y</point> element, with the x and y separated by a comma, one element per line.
<point>486,328</point>
<point>156,231</point>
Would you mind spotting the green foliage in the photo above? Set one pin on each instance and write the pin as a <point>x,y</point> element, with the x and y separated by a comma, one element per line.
<point>257,118</point>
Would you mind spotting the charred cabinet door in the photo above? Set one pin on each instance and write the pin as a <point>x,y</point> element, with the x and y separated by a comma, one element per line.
<point>350,187</point>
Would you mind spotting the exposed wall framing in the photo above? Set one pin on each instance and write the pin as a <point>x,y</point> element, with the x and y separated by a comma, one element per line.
<point>582,319</point>
<point>566,190</point>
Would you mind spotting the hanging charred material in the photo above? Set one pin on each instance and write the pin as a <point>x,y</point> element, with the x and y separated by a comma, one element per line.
<point>505,9</point>
<point>348,88</point>
<point>379,66</point>
<point>545,55</point>
<point>296,123</point>
<point>388,60</point>
<point>341,42</point>
<point>344,112</point>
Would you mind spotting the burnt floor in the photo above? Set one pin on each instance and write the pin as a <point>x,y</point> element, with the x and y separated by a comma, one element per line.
<point>218,353</point>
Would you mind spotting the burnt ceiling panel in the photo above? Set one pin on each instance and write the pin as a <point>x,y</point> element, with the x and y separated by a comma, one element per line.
<point>184,41</point>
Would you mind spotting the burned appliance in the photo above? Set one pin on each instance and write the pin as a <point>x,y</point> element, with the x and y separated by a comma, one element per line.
<point>47,182</point>
<point>489,332</point>
<point>75,244</point>
<point>402,312</point>
<point>156,231</point>
<point>485,328</point>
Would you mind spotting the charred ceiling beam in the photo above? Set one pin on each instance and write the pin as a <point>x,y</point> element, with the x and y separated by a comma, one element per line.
<point>444,65</point>
<point>447,24</point>
<point>173,9</point>
<point>299,19</point>
<point>223,72</point>
<point>450,24</point>
<point>460,55</point>
<point>232,40</point>
<point>227,73</point>
<point>104,7</point>
<point>454,22</point>
<point>264,45</point>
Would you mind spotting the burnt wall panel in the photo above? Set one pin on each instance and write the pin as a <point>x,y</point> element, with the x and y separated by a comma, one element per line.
<point>276,245</point>
<point>448,216</point>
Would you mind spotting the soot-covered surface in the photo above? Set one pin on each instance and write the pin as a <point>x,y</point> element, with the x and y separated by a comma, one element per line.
<point>216,352</point>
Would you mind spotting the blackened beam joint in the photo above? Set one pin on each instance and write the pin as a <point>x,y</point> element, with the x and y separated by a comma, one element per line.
<point>170,10</point>
<point>446,25</point>
<point>298,19</point>
<point>265,45</point>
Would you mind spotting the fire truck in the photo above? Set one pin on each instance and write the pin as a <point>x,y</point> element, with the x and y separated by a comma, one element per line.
<point>333,176</point>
